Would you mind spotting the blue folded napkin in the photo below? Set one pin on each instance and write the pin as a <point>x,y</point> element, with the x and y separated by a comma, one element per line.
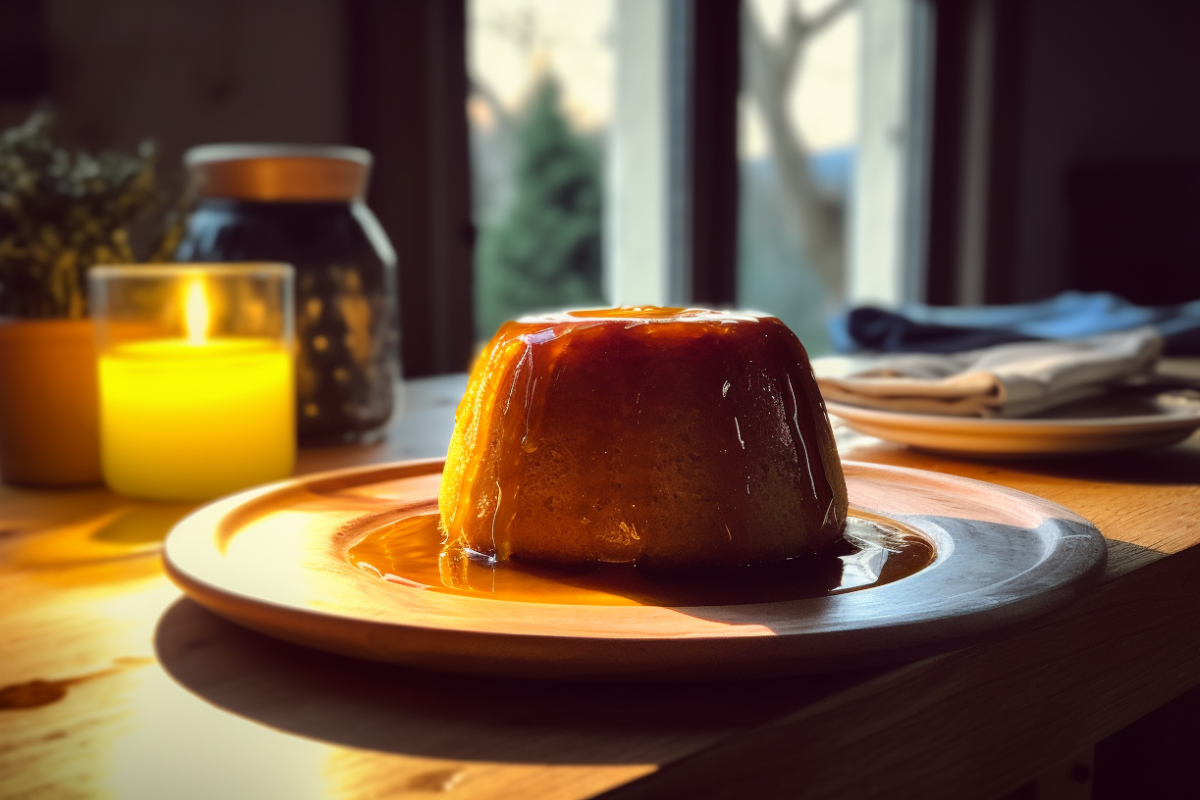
<point>915,328</point>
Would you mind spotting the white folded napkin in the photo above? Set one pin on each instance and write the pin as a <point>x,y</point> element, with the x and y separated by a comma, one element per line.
<point>1011,380</point>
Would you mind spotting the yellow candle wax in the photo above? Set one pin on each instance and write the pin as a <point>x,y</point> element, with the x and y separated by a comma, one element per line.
<point>195,419</point>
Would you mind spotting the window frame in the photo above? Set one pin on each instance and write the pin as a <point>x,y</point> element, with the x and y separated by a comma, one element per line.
<point>408,90</point>
<point>407,95</point>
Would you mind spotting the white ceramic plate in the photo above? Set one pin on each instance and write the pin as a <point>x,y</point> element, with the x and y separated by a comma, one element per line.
<point>275,560</point>
<point>1100,424</point>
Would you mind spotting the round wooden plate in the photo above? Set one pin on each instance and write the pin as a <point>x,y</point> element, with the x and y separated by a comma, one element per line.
<point>273,559</point>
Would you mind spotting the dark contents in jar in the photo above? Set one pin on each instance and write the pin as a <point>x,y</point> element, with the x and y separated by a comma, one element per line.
<point>347,344</point>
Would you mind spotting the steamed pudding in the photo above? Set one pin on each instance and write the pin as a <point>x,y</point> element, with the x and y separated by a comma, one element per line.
<point>675,438</point>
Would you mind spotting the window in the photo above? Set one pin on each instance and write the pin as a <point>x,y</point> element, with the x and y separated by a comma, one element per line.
<point>589,130</point>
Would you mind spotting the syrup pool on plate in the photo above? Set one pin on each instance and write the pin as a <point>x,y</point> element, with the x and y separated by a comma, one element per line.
<point>873,552</point>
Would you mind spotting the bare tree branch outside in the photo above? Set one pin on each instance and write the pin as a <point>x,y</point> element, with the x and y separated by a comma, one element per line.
<point>771,70</point>
<point>798,128</point>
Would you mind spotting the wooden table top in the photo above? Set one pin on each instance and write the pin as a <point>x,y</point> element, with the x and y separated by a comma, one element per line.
<point>114,685</point>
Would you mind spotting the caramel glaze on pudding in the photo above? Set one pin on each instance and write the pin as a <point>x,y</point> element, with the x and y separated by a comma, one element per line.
<point>673,438</point>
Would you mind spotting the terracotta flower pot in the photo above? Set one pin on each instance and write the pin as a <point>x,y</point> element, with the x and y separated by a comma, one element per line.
<point>49,411</point>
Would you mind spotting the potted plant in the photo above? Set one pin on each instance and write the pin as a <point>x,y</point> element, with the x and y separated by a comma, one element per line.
<point>60,213</point>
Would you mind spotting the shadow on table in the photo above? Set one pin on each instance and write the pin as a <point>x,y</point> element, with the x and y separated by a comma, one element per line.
<point>394,709</point>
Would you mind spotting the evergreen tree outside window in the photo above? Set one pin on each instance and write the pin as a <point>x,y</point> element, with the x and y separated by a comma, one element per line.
<point>541,80</point>
<point>546,251</point>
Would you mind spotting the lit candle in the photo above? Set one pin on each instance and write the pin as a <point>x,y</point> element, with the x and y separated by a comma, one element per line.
<point>197,416</point>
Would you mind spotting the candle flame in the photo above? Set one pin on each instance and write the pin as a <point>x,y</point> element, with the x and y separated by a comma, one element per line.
<point>196,312</point>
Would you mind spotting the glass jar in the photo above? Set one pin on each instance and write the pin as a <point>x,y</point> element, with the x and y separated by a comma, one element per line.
<point>304,206</point>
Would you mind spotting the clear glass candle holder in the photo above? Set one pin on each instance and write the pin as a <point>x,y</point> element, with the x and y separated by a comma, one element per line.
<point>196,375</point>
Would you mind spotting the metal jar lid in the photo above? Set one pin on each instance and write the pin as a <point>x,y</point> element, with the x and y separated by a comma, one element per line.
<point>283,172</point>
